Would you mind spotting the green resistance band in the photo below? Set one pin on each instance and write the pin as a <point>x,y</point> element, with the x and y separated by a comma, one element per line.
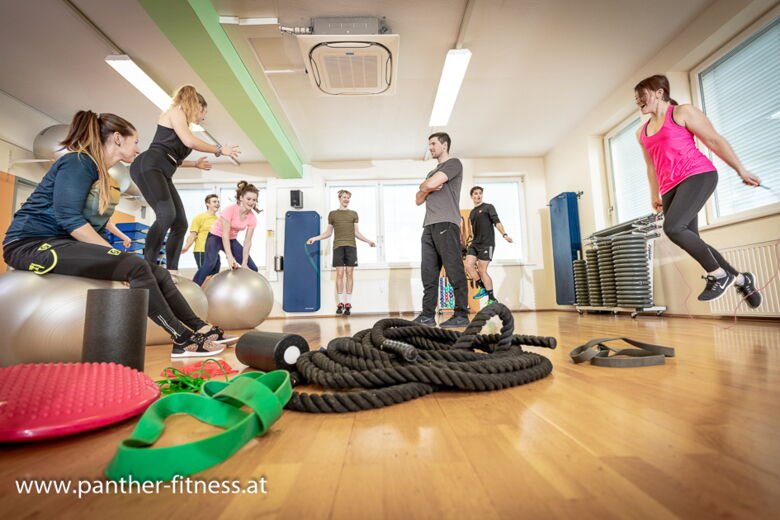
<point>311,260</point>
<point>218,404</point>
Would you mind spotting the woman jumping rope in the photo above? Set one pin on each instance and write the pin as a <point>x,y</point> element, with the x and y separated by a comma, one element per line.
<point>682,179</point>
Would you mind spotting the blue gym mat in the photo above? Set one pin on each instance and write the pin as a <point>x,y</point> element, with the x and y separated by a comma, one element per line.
<point>566,242</point>
<point>301,288</point>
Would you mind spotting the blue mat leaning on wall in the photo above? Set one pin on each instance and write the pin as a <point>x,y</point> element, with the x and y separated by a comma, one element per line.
<point>301,291</point>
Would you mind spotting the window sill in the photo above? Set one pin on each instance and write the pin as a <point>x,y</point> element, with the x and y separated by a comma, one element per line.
<point>744,216</point>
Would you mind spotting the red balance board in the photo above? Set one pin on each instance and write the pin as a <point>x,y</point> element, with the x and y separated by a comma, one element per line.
<point>47,400</point>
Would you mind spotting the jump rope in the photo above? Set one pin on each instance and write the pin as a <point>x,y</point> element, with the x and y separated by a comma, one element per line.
<point>659,227</point>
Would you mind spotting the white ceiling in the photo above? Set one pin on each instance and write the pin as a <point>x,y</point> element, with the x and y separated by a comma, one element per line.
<point>538,66</point>
<point>54,62</point>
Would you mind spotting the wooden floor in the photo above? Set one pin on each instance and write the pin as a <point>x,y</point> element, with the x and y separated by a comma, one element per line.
<point>695,438</point>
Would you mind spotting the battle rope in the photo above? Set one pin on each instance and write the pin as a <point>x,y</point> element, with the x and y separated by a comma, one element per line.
<point>397,361</point>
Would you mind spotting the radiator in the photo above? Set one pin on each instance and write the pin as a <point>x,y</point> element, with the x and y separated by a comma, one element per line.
<point>761,260</point>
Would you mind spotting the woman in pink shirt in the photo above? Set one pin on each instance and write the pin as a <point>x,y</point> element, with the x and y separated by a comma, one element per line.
<point>224,233</point>
<point>682,179</point>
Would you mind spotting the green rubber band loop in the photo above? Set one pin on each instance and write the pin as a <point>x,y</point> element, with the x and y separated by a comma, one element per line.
<point>311,260</point>
<point>220,405</point>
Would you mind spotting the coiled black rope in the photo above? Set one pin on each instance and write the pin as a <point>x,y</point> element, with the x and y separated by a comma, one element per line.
<point>397,360</point>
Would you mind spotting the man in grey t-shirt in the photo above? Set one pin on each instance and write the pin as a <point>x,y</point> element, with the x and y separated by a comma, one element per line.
<point>441,233</point>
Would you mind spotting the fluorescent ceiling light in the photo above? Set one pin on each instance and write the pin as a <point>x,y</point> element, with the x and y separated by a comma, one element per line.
<point>449,85</point>
<point>776,115</point>
<point>126,67</point>
<point>235,20</point>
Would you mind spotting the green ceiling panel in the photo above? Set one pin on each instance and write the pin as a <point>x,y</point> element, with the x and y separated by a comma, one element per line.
<point>193,28</point>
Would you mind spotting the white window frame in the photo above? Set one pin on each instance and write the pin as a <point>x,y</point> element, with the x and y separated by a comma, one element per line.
<point>713,220</point>
<point>523,231</point>
<point>345,184</point>
<point>382,262</point>
<point>609,169</point>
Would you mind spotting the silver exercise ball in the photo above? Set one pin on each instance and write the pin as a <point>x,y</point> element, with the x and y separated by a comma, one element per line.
<point>42,316</point>
<point>47,143</point>
<point>156,335</point>
<point>121,174</point>
<point>239,299</point>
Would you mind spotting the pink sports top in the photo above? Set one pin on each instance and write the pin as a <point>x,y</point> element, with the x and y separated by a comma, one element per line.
<point>673,153</point>
<point>233,215</point>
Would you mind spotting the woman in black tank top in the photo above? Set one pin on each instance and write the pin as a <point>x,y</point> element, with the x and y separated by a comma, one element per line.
<point>153,172</point>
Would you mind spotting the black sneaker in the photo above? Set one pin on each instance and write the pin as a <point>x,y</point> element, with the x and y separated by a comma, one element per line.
<point>347,309</point>
<point>425,320</point>
<point>340,308</point>
<point>716,287</point>
<point>748,290</point>
<point>455,322</point>
<point>198,345</point>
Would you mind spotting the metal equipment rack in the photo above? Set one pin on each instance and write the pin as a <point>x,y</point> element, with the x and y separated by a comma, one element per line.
<point>617,272</point>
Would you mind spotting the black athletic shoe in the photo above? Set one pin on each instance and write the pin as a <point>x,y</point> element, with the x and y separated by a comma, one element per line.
<point>425,320</point>
<point>748,290</point>
<point>455,322</point>
<point>347,309</point>
<point>340,308</point>
<point>198,345</point>
<point>716,287</point>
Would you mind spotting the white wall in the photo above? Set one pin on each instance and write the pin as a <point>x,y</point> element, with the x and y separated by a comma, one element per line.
<point>577,162</point>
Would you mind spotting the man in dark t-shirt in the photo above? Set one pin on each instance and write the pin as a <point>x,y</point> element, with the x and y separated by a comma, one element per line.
<point>482,243</point>
<point>440,191</point>
<point>344,222</point>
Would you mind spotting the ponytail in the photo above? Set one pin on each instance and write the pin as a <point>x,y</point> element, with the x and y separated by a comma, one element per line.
<point>87,134</point>
<point>242,188</point>
<point>656,82</point>
<point>189,101</point>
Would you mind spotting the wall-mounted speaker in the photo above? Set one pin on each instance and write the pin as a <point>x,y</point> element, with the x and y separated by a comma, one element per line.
<point>296,199</point>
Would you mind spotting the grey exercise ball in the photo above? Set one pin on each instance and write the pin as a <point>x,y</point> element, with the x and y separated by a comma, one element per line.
<point>43,316</point>
<point>47,143</point>
<point>239,299</point>
<point>133,190</point>
<point>121,174</point>
<point>156,335</point>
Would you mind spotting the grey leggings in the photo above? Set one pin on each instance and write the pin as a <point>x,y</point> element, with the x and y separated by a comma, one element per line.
<point>681,222</point>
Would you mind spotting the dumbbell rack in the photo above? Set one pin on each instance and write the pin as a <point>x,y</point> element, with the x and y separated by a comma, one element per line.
<point>617,273</point>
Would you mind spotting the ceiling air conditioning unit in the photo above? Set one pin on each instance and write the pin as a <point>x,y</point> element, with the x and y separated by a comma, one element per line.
<point>349,57</point>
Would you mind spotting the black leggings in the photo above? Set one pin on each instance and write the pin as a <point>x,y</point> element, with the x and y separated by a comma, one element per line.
<point>153,172</point>
<point>63,255</point>
<point>681,222</point>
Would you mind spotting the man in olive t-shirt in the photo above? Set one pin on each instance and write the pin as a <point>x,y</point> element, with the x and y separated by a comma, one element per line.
<point>441,234</point>
<point>345,224</point>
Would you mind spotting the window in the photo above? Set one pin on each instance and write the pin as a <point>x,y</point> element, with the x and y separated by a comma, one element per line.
<point>402,223</point>
<point>740,93</point>
<point>193,200</point>
<point>389,216</point>
<point>629,173</point>
<point>364,202</point>
<point>507,197</point>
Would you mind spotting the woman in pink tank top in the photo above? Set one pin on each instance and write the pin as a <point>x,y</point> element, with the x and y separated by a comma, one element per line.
<point>682,178</point>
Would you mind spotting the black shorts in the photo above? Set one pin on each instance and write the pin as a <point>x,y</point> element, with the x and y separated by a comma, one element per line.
<point>480,251</point>
<point>345,256</point>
